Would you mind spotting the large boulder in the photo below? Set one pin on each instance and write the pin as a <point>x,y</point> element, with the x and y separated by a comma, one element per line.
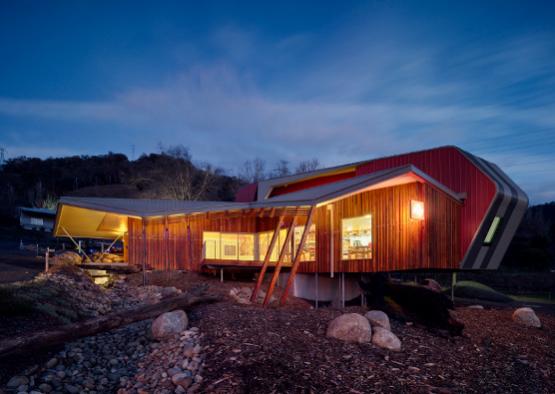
<point>378,319</point>
<point>169,324</point>
<point>526,317</point>
<point>68,257</point>
<point>385,339</point>
<point>350,327</point>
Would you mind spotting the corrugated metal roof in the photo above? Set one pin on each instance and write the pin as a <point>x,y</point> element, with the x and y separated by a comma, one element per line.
<point>145,208</point>
<point>333,190</point>
<point>307,197</point>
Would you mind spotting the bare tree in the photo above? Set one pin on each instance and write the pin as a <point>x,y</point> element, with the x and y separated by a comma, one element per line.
<point>281,168</point>
<point>307,166</point>
<point>253,170</point>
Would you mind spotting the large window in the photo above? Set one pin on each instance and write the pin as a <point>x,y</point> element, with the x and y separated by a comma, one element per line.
<point>251,247</point>
<point>228,246</point>
<point>356,238</point>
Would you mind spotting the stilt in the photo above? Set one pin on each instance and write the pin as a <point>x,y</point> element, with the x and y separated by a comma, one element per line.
<point>144,252</point>
<point>297,257</point>
<point>221,275</point>
<point>267,258</point>
<point>277,268</point>
<point>317,289</point>
<point>453,283</point>
<point>343,290</point>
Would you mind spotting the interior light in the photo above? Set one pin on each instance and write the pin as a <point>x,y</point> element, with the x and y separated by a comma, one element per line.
<point>416,210</point>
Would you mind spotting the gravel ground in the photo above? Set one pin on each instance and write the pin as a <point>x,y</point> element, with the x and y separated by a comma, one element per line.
<point>250,349</point>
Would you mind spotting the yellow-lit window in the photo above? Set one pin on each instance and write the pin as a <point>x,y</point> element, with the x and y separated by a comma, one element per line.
<point>309,249</point>
<point>211,242</point>
<point>264,239</point>
<point>246,247</point>
<point>229,249</point>
<point>356,240</point>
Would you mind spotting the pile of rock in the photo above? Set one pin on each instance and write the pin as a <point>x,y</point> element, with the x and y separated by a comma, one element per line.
<point>99,257</point>
<point>96,364</point>
<point>124,296</point>
<point>174,364</point>
<point>373,327</point>
<point>68,257</point>
<point>242,295</point>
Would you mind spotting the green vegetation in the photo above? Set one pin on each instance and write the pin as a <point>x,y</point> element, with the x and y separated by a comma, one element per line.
<point>479,291</point>
<point>38,297</point>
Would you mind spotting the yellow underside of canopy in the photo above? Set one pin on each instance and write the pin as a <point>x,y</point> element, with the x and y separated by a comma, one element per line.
<point>88,223</point>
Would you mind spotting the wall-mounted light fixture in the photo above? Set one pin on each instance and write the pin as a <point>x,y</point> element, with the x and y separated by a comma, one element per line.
<point>416,210</point>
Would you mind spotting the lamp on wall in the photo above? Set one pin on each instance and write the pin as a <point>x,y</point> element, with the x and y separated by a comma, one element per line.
<point>416,210</point>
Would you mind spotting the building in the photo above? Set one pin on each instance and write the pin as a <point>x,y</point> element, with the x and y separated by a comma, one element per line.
<point>37,219</point>
<point>442,208</point>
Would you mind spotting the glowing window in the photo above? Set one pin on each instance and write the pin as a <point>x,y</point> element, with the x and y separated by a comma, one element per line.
<point>356,241</point>
<point>309,249</point>
<point>211,242</point>
<point>492,230</point>
<point>246,246</point>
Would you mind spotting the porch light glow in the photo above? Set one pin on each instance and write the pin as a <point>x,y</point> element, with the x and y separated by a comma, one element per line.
<point>416,210</point>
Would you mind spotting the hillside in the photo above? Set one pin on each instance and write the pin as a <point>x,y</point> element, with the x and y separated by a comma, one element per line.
<point>170,174</point>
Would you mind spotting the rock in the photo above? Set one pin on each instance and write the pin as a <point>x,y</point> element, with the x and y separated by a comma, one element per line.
<point>183,379</point>
<point>71,388</point>
<point>45,388</point>
<point>350,327</point>
<point>169,324</point>
<point>385,339</point>
<point>475,307</point>
<point>526,317</point>
<point>52,362</point>
<point>379,319</point>
<point>432,284</point>
<point>68,257</point>
<point>17,381</point>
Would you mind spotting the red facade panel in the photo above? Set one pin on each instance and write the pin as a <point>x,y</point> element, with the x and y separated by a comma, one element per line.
<point>309,183</point>
<point>247,193</point>
<point>449,166</point>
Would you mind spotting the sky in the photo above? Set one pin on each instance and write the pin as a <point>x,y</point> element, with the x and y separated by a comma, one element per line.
<point>338,81</point>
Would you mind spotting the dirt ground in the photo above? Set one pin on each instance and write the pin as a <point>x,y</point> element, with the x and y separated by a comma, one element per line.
<point>17,266</point>
<point>250,349</point>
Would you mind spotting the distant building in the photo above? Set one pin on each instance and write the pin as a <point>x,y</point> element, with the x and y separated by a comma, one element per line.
<point>38,219</point>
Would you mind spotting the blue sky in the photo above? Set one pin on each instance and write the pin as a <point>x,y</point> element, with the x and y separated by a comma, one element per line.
<point>339,81</point>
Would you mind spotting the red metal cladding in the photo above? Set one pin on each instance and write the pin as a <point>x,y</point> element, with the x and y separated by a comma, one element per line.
<point>449,166</point>
<point>309,183</point>
<point>247,193</point>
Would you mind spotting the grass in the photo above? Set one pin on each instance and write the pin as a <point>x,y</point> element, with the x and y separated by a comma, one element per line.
<point>37,297</point>
<point>536,299</point>
<point>475,290</point>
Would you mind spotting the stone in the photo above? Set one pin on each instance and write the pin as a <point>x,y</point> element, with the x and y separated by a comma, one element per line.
<point>350,327</point>
<point>385,339</point>
<point>475,307</point>
<point>173,371</point>
<point>45,388</point>
<point>378,319</point>
<point>526,317</point>
<point>68,257</point>
<point>71,388</point>
<point>183,379</point>
<point>52,362</point>
<point>17,381</point>
<point>432,284</point>
<point>169,324</point>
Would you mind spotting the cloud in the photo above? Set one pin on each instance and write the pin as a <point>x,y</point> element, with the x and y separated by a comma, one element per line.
<point>347,103</point>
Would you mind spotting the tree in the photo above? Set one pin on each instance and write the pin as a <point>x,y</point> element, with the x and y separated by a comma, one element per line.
<point>307,166</point>
<point>253,170</point>
<point>281,168</point>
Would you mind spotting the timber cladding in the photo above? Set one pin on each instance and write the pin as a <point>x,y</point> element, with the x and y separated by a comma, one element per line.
<point>399,242</point>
